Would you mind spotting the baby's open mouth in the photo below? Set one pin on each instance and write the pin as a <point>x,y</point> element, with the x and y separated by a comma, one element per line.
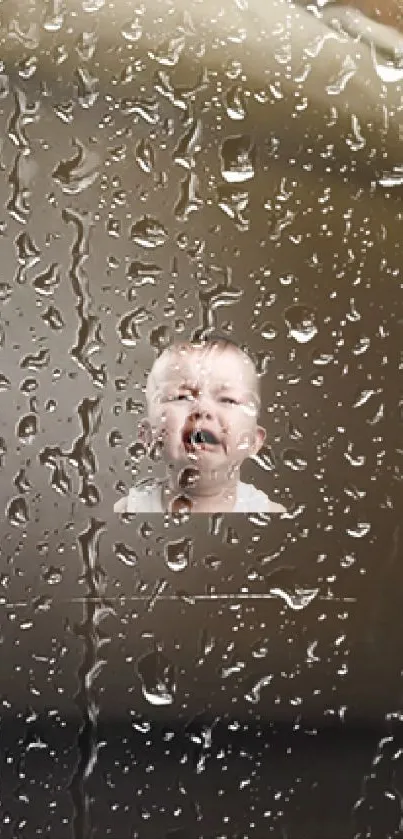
<point>201,437</point>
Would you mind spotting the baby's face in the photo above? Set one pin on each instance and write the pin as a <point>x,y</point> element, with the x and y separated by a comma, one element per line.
<point>214,391</point>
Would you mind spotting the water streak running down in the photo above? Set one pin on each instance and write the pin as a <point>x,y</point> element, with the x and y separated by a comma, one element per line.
<point>96,609</point>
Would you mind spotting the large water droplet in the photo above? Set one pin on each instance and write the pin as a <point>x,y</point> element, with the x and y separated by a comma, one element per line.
<point>301,323</point>
<point>148,232</point>
<point>238,159</point>
<point>177,554</point>
<point>79,172</point>
<point>157,678</point>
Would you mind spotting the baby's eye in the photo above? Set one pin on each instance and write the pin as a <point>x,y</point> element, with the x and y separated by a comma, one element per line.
<point>189,396</point>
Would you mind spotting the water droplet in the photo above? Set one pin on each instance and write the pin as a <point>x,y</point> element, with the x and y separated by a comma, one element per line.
<point>27,428</point>
<point>301,323</point>
<point>48,281</point>
<point>188,145</point>
<point>213,562</point>
<point>4,85</point>
<point>27,67</point>
<point>21,482</point>
<point>157,678</point>
<point>79,172</point>
<point>233,202</point>
<point>5,292</point>
<point>347,71</point>
<point>86,45</point>
<point>392,179</point>
<point>189,200</point>
<point>148,233</point>
<point>91,6</point>
<point>42,603</point>
<point>28,254</point>
<point>295,460</point>
<point>253,695</point>
<point>3,450</point>
<point>127,327</point>
<point>362,528</point>
<point>238,159</point>
<point>298,599</point>
<point>88,91</point>
<point>147,109</point>
<point>36,362</point>
<point>168,52</point>
<point>54,17</point>
<point>144,154</point>
<point>235,103</point>
<point>115,439</point>
<point>206,645</point>
<point>29,38</point>
<point>21,177</point>
<point>126,554</point>
<point>143,273</point>
<point>53,318</point>
<point>52,575</point>
<point>132,31</point>
<point>177,554</point>
<point>17,511</point>
<point>5,383</point>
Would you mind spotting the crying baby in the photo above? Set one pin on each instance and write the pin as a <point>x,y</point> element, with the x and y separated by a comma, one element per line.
<point>203,403</point>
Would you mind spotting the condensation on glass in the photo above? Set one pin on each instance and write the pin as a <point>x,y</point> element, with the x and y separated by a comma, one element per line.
<point>167,172</point>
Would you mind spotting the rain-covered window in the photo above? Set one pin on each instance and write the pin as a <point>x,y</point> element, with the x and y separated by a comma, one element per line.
<point>171,172</point>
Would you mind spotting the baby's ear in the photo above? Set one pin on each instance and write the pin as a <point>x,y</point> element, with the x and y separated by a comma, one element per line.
<point>260,438</point>
<point>144,432</point>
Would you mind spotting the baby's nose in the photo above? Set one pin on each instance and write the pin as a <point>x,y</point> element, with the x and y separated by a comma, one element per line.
<point>201,406</point>
<point>201,410</point>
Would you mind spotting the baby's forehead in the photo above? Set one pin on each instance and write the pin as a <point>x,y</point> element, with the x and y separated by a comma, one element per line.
<point>190,363</point>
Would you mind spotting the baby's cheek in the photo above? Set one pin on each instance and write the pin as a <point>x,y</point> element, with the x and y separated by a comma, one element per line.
<point>165,428</point>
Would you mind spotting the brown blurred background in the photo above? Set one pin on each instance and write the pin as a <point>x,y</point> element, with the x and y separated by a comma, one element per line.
<point>163,168</point>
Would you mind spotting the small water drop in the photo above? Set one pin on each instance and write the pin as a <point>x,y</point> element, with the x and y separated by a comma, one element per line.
<point>53,318</point>
<point>27,428</point>
<point>126,554</point>
<point>5,383</point>
<point>86,45</point>
<point>17,511</point>
<point>235,103</point>
<point>144,154</point>
<point>52,575</point>
<point>132,31</point>
<point>295,460</point>
<point>48,281</point>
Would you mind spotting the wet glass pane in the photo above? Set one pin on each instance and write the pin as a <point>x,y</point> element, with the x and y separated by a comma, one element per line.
<point>171,174</point>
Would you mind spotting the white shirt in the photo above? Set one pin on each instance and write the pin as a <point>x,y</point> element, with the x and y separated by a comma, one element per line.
<point>146,497</point>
